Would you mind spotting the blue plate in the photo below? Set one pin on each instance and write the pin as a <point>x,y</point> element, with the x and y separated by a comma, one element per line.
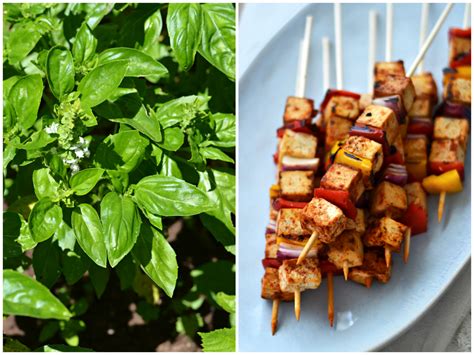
<point>365,318</point>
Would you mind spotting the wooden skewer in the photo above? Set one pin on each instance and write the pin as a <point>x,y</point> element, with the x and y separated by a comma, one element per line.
<point>406,249</point>
<point>309,244</point>
<point>467,14</point>
<point>326,63</point>
<point>368,282</point>
<point>442,199</point>
<point>304,57</point>
<point>388,256</point>
<point>423,29</point>
<point>275,308</point>
<point>345,268</point>
<point>389,32</point>
<point>330,299</point>
<point>298,304</point>
<point>372,48</point>
<point>338,35</point>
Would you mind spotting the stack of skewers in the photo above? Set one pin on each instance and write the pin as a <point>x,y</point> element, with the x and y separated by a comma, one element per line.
<point>351,187</point>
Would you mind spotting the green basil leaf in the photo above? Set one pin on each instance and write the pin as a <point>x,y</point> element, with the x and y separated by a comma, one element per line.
<point>100,83</point>
<point>14,346</point>
<point>99,278</point>
<point>157,258</point>
<point>9,154</point>
<point>142,122</point>
<point>65,237</point>
<point>37,141</point>
<point>140,64</point>
<point>220,340</point>
<point>60,71</point>
<point>73,266</point>
<point>22,39</point>
<point>121,223</point>
<point>173,139</point>
<point>226,302</point>
<point>122,151</point>
<point>153,27</point>
<point>25,98</point>
<point>85,180</point>
<point>225,130</point>
<point>44,219</point>
<point>215,154</point>
<point>218,37</point>
<point>169,196</point>
<point>83,48</point>
<point>169,167</point>
<point>184,28</point>
<point>24,296</point>
<point>46,263</point>
<point>88,230</point>
<point>45,185</point>
<point>181,109</point>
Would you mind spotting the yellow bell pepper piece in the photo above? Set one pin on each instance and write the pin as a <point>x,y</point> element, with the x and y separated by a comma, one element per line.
<point>449,182</point>
<point>460,72</point>
<point>274,191</point>
<point>349,159</point>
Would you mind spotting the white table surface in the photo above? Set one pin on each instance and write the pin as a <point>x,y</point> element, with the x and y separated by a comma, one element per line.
<point>447,325</point>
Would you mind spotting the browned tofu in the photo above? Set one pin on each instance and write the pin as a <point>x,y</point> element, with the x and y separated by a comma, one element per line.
<point>382,118</point>
<point>374,263</point>
<point>358,224</point>
<point>337,129</point>
<point>422,107</point>
<point>446,151</point>
<point>297,185</point>
<point>452,128</point>
<point>388,200</point>
<point>416,149</point>
<point>293,277</point>
<point>365,100</point>
<point>458,90</point>
<point>458,46</point>
<point>343,107</point>
<point>271,246</point>
<point>271,286</point>
<point>298,145</point>
<point>289,224</point>
<point>298,108</point>
<point>384,69</point>
<point>385,232</point>
<point>425,87</point>
<point>416,194</point>
<point>396,85</point>
<point>360,276</point>
<point>365,148</point>
<point>398,144</point>
<point>347,248</point>
<point>342,177</point>
<point>324,218</point>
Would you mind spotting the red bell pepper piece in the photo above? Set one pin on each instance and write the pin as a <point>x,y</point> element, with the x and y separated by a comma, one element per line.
<point>460,32</point>
<point>275,158</point>
<point>271,262</point>
<point>339,198</point>
<point>416,218</point>
<point>280,203</point>
<point>461,60</point>
<point>438,168</point>
<point>330,93</point>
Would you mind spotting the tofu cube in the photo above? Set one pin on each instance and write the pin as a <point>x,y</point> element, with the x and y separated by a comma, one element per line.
<point>425,87</point>
<point>324,218</point>
<point>271,246</point>
<point>271,286</point>
<point>388,200</point>
<point>398,145</point>
<point>343,107</point>
<point>416,194</point>
<point>337,128</point>
<point>446,151</point>
<point>374,263</point>
<point>360,276</point>
<point>298,145</point>
<point>382,118</point>
<point>298,108</point>
<point>416,149</point>
<point>396,85</point>
<point>297,185</point>
<point>347,248</point>
<point>422,107</point>
<point>293,277</point>
<point>452,128</point>
<point>342,177</point>
<point>289,224</point>
<point>358,224</point>
<point>365,100</point>
<point>384,69</point>
<point>365,148</point>
<point>458,46</point>
<point>458,90</point>
<point>386,232</point>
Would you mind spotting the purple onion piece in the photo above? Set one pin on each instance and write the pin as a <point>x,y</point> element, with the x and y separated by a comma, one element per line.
<point>451,109</point>
<point>395,104</point>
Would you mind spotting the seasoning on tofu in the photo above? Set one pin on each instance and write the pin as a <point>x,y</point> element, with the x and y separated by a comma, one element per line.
<point>416,195</point>
<point>271,286</point>
<point>347,250</point>
<point>298,108</point>
<point>388,200</point>
<point>382,118</point>
<point>366,149</point>
<point>343,177</point>
<point>289,224</point>
<point>458,90</point>
<point>337,128</point>
<point>343,107</point>
<point>452,128</point>
<point>425,87</point>
<point>374,265</point>
<point>271,247</point>
<point>382,70</point>
<point>297,185</point>
<point>446,154</point>
<point>299,277</point>
<point>416,157</point>
<point>396,85</point>
<point>298,145</point>
<point>357,224</point>
<point>385,232</point>
<point>422,107</point>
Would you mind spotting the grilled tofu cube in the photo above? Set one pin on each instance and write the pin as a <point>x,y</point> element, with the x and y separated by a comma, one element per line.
<point>452,128</point>
<point>396,85</point>
<point>342,177</point>
<point>271,246</point>
<point>446,151</point>
<point>289,224</point>
<point>389,200</point>
<point>458,46</point>
<point>324,218</point>
<point>271,286</point>
<point>398,144</point>
<point>422,107</point>
<point>385,232</point>
<point>298,108</point>
<point>360,276</point>
<point>416,194</point>
<point>365,148</point>
<point>347,248</point>
<point>337,129</point>
<point>297,185</point>
<point>384,69</point>
<point>293,277</point>
<point>458,90</point>
<point>425,87</point>
<point>343,107</point>
<point>298,145</point>
<point>374,263</point>
<point>358,225</point>
<point>382,118</point>
<point>416,149</point>
<point>365,100</point>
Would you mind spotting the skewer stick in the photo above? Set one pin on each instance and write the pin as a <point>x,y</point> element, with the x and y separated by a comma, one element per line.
<point>326,63</point>
<point>299,69</point>
<point>309,244</point>
<point>372,47</point>
<point>368,282</point>
<point>389,32</point>
<point>345,268</point>
<point>275,307</point>
<point>467,14</point>
<point>330,299</point>
<point>442,198</point>
<point>406,249</point>
<point>304,54</point>
<point>297,304</point>
<point>338,34</point>
<point>430,38</point>
<point>423,29</point>
<point>388,256</point>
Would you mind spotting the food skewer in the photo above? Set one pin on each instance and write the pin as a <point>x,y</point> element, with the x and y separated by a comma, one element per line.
<point>389,32</point>
<point>338,45</point>
<point>467,15</point>
<point>425,7</point>
<point>372,47</point>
